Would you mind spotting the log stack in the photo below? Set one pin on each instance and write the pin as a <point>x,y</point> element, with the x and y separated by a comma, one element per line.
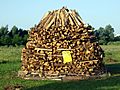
<point>61,45</point>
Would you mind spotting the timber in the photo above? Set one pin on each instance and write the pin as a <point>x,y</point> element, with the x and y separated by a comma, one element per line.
<point>61,31</point>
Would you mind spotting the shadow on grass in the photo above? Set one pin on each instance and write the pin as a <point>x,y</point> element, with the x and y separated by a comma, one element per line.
<point>6,61</point>
<point>113,68</point>
<point>111,83</point>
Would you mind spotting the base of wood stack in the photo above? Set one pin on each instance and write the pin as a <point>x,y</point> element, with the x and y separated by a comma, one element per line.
<point>36,76</point>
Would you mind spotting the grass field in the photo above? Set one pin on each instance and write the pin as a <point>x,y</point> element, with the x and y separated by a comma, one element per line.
<point>10,64</point>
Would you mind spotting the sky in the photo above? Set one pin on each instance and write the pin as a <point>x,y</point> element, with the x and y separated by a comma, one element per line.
<point>26,13</point>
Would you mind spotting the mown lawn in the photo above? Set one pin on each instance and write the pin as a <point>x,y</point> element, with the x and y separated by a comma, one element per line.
<point>10,64</point>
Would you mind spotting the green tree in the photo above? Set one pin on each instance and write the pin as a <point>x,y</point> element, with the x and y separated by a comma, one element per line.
<point>5,40</point>
<point>13,31</point>
<point>117,38</point>
<point>16,40</point>
<point>13,37</point>
<point>24,39</point>
<point>105,35</point>
<point>110,32</point>
<point>4,37</point>
<point>4,30</point>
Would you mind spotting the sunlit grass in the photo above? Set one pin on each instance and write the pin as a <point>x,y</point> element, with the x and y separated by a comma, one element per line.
<point>10,53</point>
<point>112,53</point>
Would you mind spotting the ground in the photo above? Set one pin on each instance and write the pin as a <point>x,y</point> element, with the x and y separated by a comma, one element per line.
<point>10,64</point>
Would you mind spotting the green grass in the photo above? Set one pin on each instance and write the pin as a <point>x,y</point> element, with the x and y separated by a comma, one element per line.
<point>10,54</point>
<point>112,53</point>
<point>10,64</point>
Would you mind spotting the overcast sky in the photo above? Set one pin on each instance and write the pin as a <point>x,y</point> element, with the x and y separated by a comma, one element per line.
<point>26,13</point>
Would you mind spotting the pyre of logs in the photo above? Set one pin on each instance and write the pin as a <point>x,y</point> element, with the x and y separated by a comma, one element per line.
<point>62,45</point>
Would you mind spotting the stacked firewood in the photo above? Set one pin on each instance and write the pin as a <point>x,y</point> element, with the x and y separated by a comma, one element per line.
<point>62,45</point>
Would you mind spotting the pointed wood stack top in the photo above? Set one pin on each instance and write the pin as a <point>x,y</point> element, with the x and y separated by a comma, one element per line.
<point>61,17</point>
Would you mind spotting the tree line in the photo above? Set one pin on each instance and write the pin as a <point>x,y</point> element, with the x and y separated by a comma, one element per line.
<point>15,36</point>
<point>18,36</point>
<point>105,35</point>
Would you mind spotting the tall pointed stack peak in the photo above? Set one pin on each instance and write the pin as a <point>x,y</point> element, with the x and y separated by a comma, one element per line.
<point>61,17</point>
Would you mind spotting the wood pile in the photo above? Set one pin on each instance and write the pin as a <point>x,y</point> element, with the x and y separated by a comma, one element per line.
<point>61,45</point>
